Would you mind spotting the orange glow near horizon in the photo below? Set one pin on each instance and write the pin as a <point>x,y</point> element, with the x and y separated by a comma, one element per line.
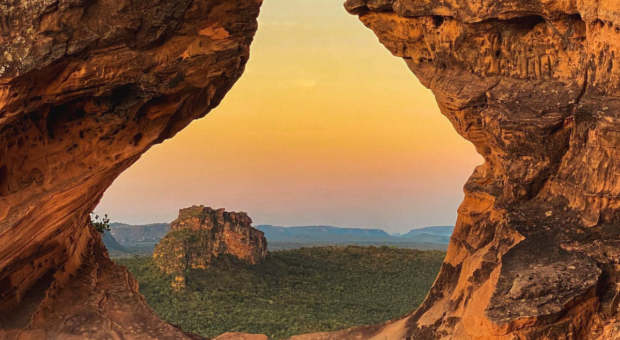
<point>325,127</point>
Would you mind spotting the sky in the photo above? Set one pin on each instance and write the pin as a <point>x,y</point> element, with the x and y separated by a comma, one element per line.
<point>325,127</point>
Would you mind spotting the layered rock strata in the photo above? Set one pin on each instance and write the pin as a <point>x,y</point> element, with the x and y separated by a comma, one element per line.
<point>200,235</point>
<point>535,86</point>
<point>86,87</point>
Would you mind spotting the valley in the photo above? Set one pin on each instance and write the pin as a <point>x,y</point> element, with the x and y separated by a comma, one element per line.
<point>292,291</point>
<point>213,272</point>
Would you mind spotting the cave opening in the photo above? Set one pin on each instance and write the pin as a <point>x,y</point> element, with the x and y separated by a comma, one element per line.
<point>318,132</point>
<point>325,131</point>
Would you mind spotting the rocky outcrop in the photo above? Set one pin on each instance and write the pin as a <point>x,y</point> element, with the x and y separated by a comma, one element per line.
<point>535,86</point>
<point>86,87</point>
<point>200,235</point>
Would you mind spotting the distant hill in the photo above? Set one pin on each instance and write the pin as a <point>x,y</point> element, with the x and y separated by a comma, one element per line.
<point>318,232</point>
<point>140,239</point>
<point>437,230</point>
<point>129,234</point>
<point>111,243</point>
<point>429,238</point>
<point>313,236</point>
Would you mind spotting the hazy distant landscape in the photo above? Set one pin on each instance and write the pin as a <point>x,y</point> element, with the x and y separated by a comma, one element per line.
<point>431,238</point>
<point>128,240</point>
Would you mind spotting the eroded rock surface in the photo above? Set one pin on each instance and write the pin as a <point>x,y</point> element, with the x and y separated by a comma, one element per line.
<point>201,234</point>
<point>535,86</point>
<point>241,336</point>
<point>86,87</point>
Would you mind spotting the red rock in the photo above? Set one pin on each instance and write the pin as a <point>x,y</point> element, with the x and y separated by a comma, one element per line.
<point>86,87</point>
<point>533,84</point>
<point>241,336</point>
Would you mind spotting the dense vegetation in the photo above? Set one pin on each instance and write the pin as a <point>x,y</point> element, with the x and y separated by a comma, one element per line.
<point>293,291</point>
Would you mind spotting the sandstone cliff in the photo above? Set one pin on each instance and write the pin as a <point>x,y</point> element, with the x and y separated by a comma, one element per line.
<point>86,87</point>
<point>535,86</point>
<point>199,235</point>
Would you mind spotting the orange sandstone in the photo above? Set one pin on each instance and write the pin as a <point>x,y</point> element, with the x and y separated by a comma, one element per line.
<point>200,235</point>
<point>533,84</point>
<point>86,87</point>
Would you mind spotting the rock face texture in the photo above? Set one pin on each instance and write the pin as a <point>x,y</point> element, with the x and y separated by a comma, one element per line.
<point>86,87</point>
<point>535,86</point>
<point>241,336</point>
<point>200,234</point>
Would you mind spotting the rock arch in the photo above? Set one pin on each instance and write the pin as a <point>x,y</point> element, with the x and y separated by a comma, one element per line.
<point>87,86</point>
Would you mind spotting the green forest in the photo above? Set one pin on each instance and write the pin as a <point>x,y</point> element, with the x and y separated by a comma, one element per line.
<point>293,291</point>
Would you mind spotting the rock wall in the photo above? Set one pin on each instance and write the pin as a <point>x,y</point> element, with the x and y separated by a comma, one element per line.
<point>535,86</point>
<point>200,235</point>
<point>86,87</point>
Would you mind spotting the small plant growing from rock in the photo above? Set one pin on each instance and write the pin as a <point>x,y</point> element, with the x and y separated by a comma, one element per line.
<point>101,224</point>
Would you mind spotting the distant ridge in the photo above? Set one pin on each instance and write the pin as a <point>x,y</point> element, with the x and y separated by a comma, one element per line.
<point>142,238</point>
<point>435,230</point>
<point>126,233</point>
<point>318,231</point>
<point>325,235</point>
<point>111,243</point>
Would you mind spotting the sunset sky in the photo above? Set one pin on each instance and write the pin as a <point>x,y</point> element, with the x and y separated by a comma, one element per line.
<point>325,127</point>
